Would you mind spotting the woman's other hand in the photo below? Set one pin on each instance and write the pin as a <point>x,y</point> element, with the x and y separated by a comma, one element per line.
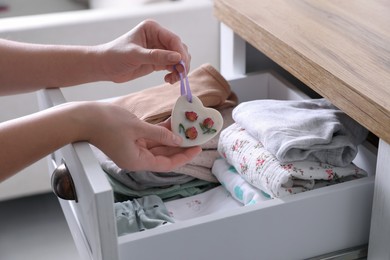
<point>134,144</point>
<point>146,48</point>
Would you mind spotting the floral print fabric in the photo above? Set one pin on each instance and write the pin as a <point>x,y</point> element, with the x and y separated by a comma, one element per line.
<point>261,169</point>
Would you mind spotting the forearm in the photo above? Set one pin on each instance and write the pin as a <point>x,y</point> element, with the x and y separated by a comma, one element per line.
<point>29,67</point>
<point>131,143</point>
<point>28,139</point>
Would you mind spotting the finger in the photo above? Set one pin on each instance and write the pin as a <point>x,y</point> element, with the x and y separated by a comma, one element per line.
<point>168,151</point>
<point>160,134</point>
<point>174,76</point>
<point>160,57</point>
<point>162,38</point>
<point>166,123</point>
<point>169,40</point>
<point>168,162</point>
<point>171,78</point>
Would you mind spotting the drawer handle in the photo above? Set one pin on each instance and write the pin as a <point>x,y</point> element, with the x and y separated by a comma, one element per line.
<point>62,183</point>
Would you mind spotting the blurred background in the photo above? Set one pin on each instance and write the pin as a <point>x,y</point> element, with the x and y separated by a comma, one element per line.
<point>32,225</point>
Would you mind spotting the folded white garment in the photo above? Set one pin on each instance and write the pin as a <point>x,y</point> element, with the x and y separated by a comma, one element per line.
<point>302,130</point>
<point>240,189</point>
<point>261,169</point>
<point>216,200</point>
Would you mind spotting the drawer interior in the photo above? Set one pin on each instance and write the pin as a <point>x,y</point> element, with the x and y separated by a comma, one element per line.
<point>301,224</point>
<point>340,213</point>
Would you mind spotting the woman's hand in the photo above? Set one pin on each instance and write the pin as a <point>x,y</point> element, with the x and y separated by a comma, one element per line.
<point>131,143</point>
<point>134,144</point>
<point>128,141</point>
<point>146,48</point>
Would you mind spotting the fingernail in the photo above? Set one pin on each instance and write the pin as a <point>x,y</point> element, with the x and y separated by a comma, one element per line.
<point>173,57</point>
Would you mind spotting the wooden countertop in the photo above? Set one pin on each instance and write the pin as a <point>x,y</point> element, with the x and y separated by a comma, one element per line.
<point>341,49</point>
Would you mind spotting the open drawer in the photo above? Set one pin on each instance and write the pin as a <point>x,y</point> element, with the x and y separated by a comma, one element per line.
<point>296,227</point>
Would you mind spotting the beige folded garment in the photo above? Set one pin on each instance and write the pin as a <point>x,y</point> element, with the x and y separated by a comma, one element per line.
<point>155,104</point>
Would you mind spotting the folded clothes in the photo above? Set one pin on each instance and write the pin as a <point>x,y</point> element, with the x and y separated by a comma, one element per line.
<point>199,167</point>
<point>155,104</point>
<point>216,200</point>
<point>263,170</point>
<point>302,130</point>
<point>240,189</point>
<point>140,214</point>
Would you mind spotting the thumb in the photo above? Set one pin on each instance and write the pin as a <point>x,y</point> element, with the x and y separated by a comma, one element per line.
<point>161,135</point>
<point>162,57</point>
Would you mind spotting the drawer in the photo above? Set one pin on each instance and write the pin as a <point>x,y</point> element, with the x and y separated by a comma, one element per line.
<point>295,227</point>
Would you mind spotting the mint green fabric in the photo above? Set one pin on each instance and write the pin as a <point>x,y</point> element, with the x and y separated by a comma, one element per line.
<point>140,214</point>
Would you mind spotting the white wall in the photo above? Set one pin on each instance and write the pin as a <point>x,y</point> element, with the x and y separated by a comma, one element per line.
<point>12,8</point>
<point>193,21</point>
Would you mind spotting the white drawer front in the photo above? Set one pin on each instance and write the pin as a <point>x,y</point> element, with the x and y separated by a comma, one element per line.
<point>297,227</point>
<point>91,218</point>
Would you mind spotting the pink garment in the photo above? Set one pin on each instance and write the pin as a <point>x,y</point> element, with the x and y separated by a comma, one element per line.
<point>261,169</point>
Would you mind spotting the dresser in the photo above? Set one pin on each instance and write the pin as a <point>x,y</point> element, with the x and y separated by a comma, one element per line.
<point>341,50</point>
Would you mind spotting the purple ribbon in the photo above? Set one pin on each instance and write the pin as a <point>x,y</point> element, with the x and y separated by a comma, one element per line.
<point>185,84</point>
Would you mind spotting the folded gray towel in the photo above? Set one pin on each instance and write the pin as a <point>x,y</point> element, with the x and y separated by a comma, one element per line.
<point>141,214</point>
<point>311,129</point>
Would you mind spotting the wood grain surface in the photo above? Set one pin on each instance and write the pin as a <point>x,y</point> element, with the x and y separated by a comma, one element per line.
<point>339,48</point>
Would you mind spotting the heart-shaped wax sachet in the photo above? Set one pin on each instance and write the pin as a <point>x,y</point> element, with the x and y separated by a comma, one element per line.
<point>194,122</point>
